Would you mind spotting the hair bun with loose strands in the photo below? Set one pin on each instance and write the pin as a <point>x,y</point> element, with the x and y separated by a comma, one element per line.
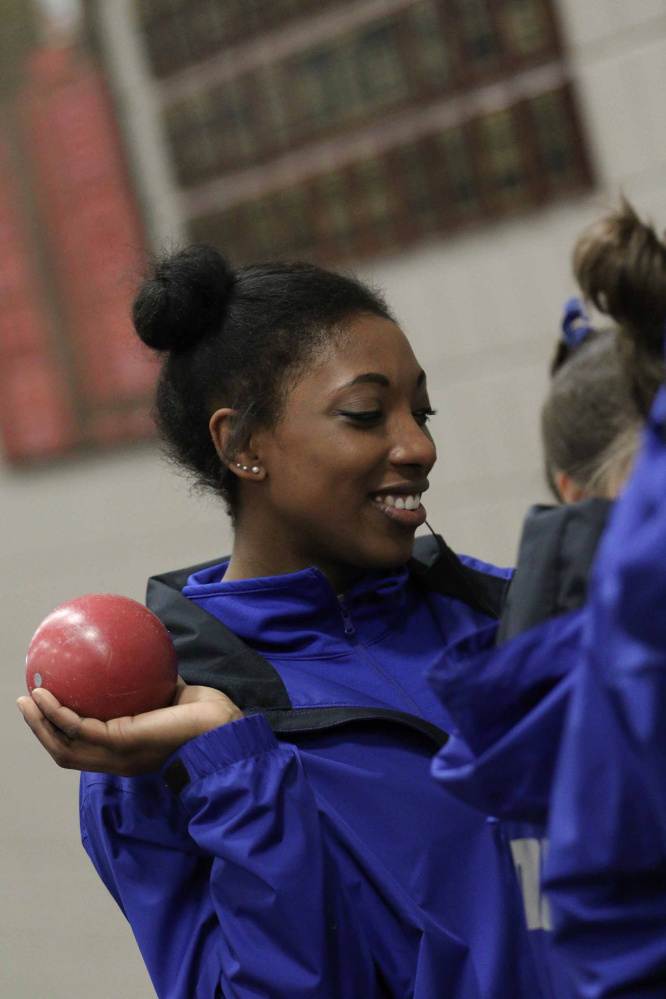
<point>183,299</point>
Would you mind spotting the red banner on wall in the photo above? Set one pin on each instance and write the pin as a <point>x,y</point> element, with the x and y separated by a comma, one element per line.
<point>36,418</point>
<point>91,221</point>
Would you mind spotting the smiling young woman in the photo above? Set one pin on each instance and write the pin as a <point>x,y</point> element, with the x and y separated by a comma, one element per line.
<point>276,831</point>
<point>339,476</point>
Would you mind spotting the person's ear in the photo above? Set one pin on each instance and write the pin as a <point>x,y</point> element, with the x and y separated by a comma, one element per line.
<point>245,463</point>
<point>221,426</point>
<point>569,490</point>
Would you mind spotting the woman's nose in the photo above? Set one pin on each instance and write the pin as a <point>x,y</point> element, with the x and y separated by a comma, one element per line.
<point>413,446</point>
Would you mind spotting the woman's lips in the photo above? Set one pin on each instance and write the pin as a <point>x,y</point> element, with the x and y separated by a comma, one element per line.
<point>410,518</point>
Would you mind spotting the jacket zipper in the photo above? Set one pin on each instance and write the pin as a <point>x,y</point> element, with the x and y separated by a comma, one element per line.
<point>346,620</point>
<point>349,631</point>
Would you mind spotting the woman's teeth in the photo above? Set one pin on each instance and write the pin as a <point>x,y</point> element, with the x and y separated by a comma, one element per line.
<point>401,502</point>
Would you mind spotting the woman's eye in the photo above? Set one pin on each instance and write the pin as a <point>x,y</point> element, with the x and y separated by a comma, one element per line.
<point>362,416</point>
<point>423,415</point>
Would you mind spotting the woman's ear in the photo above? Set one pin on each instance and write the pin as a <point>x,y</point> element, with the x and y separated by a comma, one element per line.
<point>569,490</point>
<point>244,464</point>
<point>220,426</point>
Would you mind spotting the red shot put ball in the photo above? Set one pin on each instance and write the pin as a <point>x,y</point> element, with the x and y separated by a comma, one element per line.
<point>104,656</point>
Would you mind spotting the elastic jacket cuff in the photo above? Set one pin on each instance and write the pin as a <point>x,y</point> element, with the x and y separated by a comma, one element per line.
<point>214,750</point>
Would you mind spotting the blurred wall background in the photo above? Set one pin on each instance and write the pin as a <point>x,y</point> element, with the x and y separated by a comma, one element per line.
<point>482,306</point>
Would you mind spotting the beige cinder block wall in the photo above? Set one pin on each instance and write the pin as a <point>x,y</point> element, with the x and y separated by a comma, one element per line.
<point>482,311</point>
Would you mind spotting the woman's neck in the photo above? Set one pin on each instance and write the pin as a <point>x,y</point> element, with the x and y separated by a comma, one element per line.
<point>254,557</point>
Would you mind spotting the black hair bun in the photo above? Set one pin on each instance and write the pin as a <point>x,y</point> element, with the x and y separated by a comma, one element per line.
<point>184,298</point>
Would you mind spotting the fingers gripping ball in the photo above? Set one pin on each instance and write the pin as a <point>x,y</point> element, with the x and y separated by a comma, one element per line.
<point>104,656</point>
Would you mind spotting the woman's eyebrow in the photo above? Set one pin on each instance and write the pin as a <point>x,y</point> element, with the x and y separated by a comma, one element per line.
<point>369,376</point>
<point>378,379</point>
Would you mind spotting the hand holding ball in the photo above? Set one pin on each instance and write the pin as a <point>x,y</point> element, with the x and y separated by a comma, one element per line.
<point>104,656</point>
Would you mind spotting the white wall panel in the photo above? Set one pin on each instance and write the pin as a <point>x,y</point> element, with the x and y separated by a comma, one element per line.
<point>589,21</point>
<point>631,13</point>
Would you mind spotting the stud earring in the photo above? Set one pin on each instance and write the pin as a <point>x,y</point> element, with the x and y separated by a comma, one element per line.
<point>256,469</point>
<point>243,467</point>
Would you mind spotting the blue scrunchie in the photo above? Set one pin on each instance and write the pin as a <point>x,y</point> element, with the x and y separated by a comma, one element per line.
<point>576,323</point>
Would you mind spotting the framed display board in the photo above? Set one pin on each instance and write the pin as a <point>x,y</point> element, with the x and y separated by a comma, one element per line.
<point>337,130</point>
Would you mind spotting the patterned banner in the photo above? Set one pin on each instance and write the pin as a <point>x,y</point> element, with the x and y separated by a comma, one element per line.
<point>91,221</point>
<point>36,419</point>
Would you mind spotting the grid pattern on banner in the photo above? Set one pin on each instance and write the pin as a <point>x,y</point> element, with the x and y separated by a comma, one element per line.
<point>365,125</point>
<point>181,32</point>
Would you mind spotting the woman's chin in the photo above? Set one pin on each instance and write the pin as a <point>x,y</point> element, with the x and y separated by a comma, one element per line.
<point>386,553</point>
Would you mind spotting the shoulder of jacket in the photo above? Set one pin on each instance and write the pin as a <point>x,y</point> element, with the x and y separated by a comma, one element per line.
<point>209,653</point>
<point>557,549</point>
<point>478,584</point>
<point>176,579</point>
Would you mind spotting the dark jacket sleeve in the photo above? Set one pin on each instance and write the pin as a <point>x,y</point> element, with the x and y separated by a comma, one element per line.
<point>230,884</point>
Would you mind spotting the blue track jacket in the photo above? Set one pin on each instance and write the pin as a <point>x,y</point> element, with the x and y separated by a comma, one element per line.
<point>606,870</point>
<point>577,744</point>
<point>314,856</point>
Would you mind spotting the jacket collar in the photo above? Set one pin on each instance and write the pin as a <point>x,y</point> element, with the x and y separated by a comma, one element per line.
<point>211,654</point>
<point>298,613</point>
